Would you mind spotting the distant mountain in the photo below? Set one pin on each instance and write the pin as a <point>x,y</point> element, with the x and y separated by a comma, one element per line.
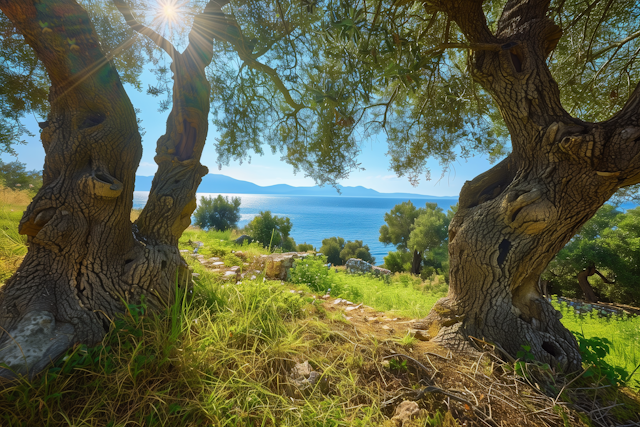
<point>217,183</point>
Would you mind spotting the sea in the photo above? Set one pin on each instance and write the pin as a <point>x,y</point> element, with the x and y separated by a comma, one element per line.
<point>318,217</point>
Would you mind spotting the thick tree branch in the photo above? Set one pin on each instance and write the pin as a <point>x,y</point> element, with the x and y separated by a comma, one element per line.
<point>488,185</point>
<point>161,42</point>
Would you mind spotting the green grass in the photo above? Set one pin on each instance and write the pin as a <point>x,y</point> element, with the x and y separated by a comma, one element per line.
<point>13,246</point>
<point>220,359</point>
<point>402,294</point>
<point>623,333</point>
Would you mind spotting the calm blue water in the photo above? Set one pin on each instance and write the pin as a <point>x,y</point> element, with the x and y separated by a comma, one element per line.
<point>316,218</point>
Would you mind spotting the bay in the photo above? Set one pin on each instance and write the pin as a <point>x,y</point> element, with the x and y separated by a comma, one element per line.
<point>318,217</point>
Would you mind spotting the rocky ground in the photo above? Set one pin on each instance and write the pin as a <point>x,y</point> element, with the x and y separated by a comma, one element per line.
<point>421,377</point>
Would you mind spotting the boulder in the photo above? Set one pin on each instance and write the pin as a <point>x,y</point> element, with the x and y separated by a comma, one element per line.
<point>244,238</point>
<point>355,265</point>
<point>277,266</point>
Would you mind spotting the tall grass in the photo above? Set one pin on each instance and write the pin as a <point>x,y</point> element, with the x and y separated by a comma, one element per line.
<point>623,333</point>
<point>224,363</point>
<point>10,196</point>
<point>13,246</point>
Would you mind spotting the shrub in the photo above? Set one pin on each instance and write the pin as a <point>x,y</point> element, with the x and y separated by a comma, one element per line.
<point>398,261</point>
<point>14,175</point>
<point>305,247</point>
<point>313,272</point>
<point>331,248</point>
<point>356,249</point>
<point>427,272</point>
<point>272,231</point>
<point>220,213</point>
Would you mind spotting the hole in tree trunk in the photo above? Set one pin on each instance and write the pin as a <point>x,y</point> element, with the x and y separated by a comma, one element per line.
<point>550,348</point>
<point>163,265</point>
<point>503,249</point>
<point>517,62</point>
<point>93,119</point>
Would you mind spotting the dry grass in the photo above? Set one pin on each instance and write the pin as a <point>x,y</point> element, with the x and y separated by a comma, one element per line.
<point>10,196</point>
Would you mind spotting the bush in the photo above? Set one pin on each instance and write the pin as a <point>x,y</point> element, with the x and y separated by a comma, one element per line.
<point>331,248</point>
<point>220,213</point>
<point>427,272</point>
<point>313,272</point>
<point>356,249</point>
<point>271,231</point>
<point>305,247</point>
<point>398,261</point>
<point>15,176</point>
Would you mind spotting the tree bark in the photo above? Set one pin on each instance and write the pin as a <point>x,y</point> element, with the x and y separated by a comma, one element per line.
<point>587,290</point>
<point>514,218</point>
<point>85,259</point>
<point>416,263</point>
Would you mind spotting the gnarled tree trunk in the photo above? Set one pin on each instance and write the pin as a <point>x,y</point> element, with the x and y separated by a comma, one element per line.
<point>85,258</point>
<point>514,218</point>
<point>583,281</point>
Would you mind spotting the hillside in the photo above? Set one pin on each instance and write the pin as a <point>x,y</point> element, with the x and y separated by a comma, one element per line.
<point>218,183</point>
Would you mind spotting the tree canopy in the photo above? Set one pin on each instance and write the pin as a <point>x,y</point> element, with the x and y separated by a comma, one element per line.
<point>220,213</point>
<point>314,82</point>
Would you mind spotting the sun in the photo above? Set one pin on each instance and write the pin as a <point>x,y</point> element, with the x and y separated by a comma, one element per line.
<point>168,10</point>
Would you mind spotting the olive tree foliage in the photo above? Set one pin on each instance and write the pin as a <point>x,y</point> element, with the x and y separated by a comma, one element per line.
<point>533,80</point>
<point>23,86</point>
<point>220,213</point>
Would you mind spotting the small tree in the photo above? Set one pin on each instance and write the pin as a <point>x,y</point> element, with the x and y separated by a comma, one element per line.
<point>398,228</point>
<point>428,232</point>
<point>271,230</point>
<point>331,248</point>
<point>356,249</point>
<point>220,213</point>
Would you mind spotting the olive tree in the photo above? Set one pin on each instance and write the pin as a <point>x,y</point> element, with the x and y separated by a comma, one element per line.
<point>547,89</point>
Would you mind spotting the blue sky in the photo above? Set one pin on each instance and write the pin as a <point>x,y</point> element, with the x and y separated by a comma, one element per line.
<point>269,169</point>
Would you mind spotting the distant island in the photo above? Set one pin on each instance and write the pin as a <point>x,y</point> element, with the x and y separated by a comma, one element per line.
<point>217,183</point>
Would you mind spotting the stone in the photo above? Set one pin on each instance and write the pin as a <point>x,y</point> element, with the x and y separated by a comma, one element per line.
<point>230,275</point>
<point>304,379</point>
<point>301,370</point>
<point>405,412</point>
<point>354,307</point>
<point>217,264</point>
<point>277,266</point>
<point>355,266</point>
<point>35,341</point>
<point>244,238</point>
